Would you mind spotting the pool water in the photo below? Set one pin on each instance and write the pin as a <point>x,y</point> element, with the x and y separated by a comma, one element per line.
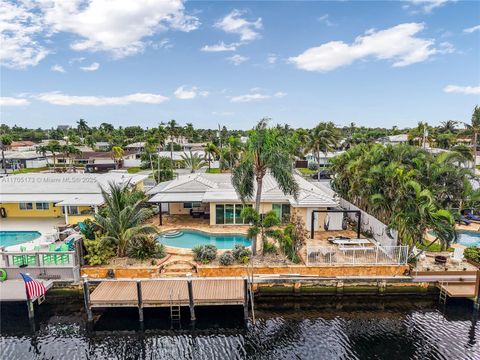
<point>469,238</point>
<point>187,239</point>
<point>10,238</point>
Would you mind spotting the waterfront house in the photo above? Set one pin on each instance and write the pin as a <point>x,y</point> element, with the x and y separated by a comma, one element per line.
<point>214,197</point>
<point>71,197</point>
<point>24,159</point>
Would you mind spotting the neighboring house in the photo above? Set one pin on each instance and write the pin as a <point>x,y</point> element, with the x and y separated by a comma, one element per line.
<point>21,145</point>
<point>215,194</point>
<point>136,146</point>
<point>63,127</point>
<point>74,197</point>
<point>177,155</point>
<point>102,146</point>
<point>24,159</point>
<point>324,158</point>
<point>94,157</point>
<point>394,139</point>
<point>194,147</point>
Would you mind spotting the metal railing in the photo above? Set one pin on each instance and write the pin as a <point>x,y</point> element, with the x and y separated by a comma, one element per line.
<point>357,255</point>
<point>56,265</point>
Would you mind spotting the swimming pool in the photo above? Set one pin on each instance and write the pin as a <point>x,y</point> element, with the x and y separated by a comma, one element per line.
<point>469,238</point>
<point>187,239</point>
<point>10,238</point>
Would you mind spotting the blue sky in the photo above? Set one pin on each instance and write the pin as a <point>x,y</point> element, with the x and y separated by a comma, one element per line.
<point>231,63</point>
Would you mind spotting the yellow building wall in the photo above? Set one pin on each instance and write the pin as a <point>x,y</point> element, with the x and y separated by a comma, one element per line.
<point>13,210</point>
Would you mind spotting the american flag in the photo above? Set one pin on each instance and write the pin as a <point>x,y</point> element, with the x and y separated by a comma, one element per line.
<point>34,288</point>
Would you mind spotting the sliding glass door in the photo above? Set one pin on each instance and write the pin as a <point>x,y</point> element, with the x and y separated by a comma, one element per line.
<point>229,214</point>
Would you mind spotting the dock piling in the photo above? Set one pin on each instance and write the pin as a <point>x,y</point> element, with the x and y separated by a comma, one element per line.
<point>477,291</point>
<point>140,305</point>
<point>86,298</point>
<point>245,298</point>
<point>190,297</point>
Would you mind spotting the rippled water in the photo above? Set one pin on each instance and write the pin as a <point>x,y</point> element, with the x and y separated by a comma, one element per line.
<point>302,331</point>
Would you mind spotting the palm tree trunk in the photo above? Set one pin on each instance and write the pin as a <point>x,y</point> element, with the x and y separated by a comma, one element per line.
<point>171,151</point>
<point>258,199</point>
<point>475,135</point>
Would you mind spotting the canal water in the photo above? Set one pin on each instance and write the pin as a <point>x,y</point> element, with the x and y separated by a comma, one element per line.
<point>283,329</point>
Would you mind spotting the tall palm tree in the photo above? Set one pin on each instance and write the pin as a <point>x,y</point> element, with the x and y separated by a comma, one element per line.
<point>54,147</point>
<point>82,128</point>
<point>122,217</point>
<point>193,161</point>
<point>323,138</point>
<point>448,126</point>
<point>117,154</point>
<point>265,152</point>
<point>211,151</point>
<point>474,127</point>
<point>172,130</point>
<point>43,150</point>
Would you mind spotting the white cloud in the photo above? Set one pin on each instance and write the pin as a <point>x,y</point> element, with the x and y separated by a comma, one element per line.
<point>325,19</point>
<point>472,29</point>
<point>163,44</point>
<point>185,93</point>
<point>398,44</point>
<point>11,101</point>
<point>467,90</point>
<point>255,95</point>
<point>271,59</point>
<point>220,47</point>
<point>57,68</point>
<point>237,59</point>
<point>426,5</point>
<point>234,23</point>
<point>58,98</point>
<point>116,26</point>
<point>92,67</point>
<point>19,32</point>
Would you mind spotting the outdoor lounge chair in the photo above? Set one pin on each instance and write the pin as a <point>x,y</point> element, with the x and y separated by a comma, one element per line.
<point>62,259</point>
<point>49,259</point>
<point>472,217</point>
<point>419,254</point>
<point>464,220</point>
<point>457,255</point>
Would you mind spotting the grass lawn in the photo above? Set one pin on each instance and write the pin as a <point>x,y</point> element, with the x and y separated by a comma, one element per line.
<point>30,170</point>
<point>134,170</point>
<point>306,171</point>
<point>213,171</point>
<point>434,247</point>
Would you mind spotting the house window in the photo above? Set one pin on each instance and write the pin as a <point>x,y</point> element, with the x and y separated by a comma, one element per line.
<point>42,206</point>
<point>26,206</point>
<point>191,205</point>
<point>282,211</point>
<point>229,214</point>
<point>72,210</point>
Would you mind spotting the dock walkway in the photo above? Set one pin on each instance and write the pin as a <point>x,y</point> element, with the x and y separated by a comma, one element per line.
<point>14,290</point>
<point>167,292</point>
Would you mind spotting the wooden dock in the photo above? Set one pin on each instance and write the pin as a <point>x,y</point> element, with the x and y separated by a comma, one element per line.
<point>167,292</point>
<point>459,289</point>
<point>14,290</point>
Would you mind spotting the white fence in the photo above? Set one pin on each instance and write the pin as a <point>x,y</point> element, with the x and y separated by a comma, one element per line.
<point>355,255</point>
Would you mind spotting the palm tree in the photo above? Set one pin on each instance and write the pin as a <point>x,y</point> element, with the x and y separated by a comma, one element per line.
<point>211,150</point>
<point>117,154</point>
<point>474,127</point>
<point>172,130</point>
<point>5,140</point>
<point>448,126</point>
<point>54,147</point>
<point>323,138</point>
<point>68,151</point>
<point>82,128</point>
<point>122,217</point>
<point>193,161</point>
<point>43,149</point>
<point>265,152</point>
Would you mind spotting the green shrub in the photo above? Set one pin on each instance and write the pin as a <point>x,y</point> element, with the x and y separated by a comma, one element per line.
<point>142,247</point>
<point>269,248</point>
<point>98,252</point>
<point>88,229</point>
<point>204,253</point>
<point>159,251</point>
<point>312,166</point>
<point>240,253</point>
<point>472,254</point>
<point>226,258</point>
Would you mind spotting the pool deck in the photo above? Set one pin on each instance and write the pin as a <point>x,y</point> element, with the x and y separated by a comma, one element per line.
<point>46,225</point>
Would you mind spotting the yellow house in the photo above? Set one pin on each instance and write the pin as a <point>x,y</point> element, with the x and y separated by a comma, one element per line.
<point>213,197</point>
<point>72,197</point>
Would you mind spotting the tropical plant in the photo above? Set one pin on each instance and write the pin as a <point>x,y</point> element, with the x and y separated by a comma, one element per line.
<point>122,217</point>
<point>193,161</point>
<point>323,138</point>
<point>173,132</point>
<point>259,225</point>
<point>117,155</point>
<point>265,151</point>
<point>145,247</point>
<point>241,254</point>
<point>226,258</point>
<point>204,253</point>
<point>98,251</point>
<point>474,127</point>
<point>82,128</point>
<point>291,238</point>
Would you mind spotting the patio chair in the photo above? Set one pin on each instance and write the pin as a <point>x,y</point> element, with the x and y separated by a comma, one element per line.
<point>419,254</point>
<point>49,259</point>
<point>457,255</point>
<point>62,259</point>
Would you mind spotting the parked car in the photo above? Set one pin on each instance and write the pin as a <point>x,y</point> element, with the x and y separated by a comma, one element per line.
<point>324,174</point>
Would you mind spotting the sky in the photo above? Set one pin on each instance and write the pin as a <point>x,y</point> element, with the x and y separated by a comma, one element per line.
<point>377,64</point>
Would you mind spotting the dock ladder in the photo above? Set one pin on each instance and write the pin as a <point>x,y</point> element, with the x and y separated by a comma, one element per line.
<point>174,309</point>
<point>442,297</point>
